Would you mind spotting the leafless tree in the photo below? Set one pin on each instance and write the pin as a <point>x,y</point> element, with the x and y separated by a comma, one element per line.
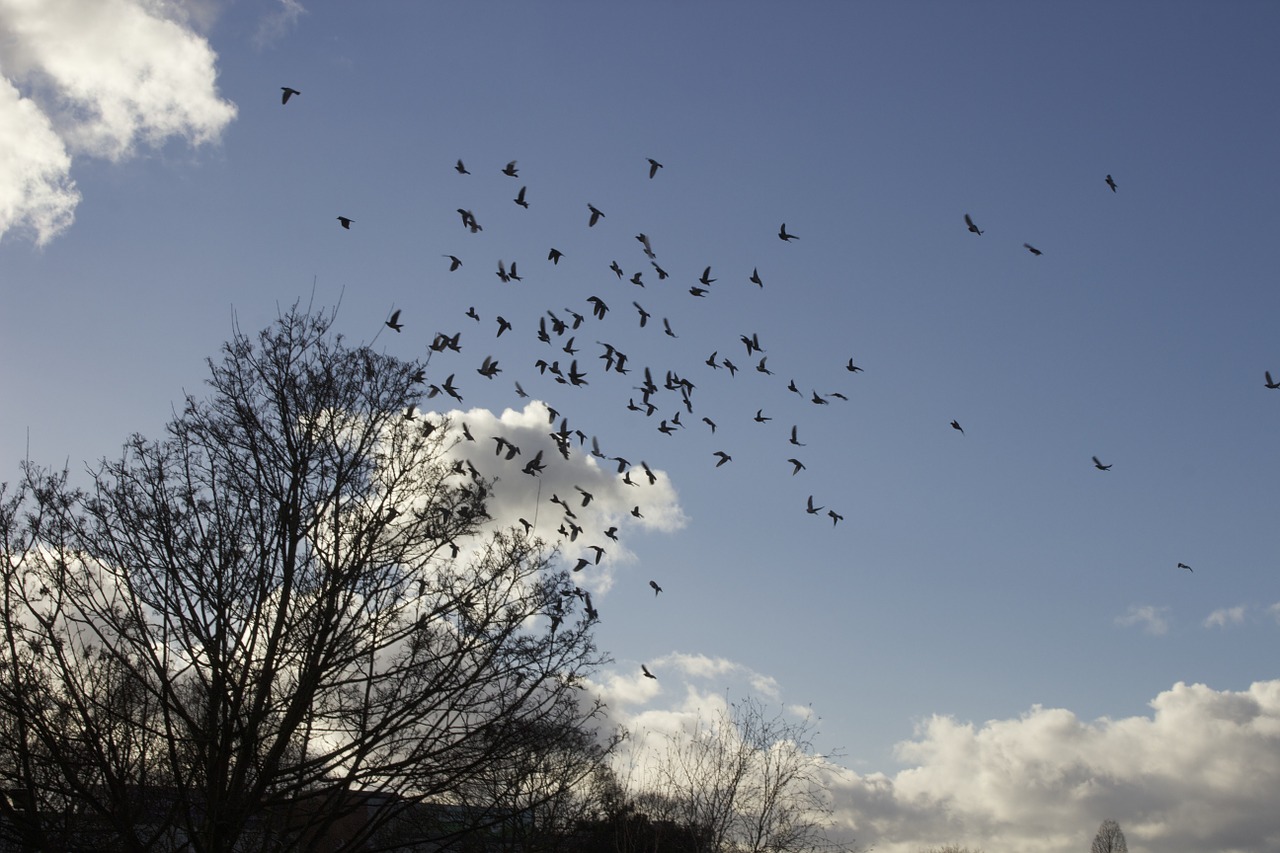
<point>1110,839</point>
<point>288,608</point>
<point>747,781</point>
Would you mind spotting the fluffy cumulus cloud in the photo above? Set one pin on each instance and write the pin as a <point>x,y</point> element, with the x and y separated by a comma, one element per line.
<point>1224,617</point>
<point>1198,774</point>
<point>93,78</point>
<point>579,501</point>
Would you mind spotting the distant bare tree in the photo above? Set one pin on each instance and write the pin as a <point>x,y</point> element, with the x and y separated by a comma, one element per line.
<point>746,782</point>
<point>1110,839</point>
<point>239,634</point>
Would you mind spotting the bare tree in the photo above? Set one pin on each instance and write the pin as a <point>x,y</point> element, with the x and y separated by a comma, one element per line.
<point>287,609</point>
<point>746,782</point>
<point>1110,839</point>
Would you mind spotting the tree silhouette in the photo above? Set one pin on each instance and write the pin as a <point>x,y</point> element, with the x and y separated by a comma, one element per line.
<point>1110,839</point>
<point>290,607</point>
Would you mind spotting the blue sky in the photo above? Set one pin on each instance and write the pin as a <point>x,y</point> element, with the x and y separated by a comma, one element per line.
<point>153,190</point>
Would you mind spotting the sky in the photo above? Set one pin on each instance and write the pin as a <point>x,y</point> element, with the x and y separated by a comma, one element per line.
<point>994,639</point>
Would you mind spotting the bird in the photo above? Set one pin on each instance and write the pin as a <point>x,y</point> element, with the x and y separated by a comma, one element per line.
<point>835,517</point>
<point>760,417</point>
<point>346,222</point>
<point>656,589</point>
<point>793,439</point>
<point>535,465</point>
<point>973,228</point>
<point>724,457</point>
<point>654,166</point>
<point>647,673</point>
<point>1185,566</point>
<point>503,325</point>
<point>612,533</point>
<point>644,315</point>
<point>955,425</point>
<point>454,263</point>
<point>798,466</point>
<point>1111,183</point>
<point>490,368</point>
<point>666,328</point>
<point>1098,464</point>
<point>635,510</point>
<point>519,199</point>
<point>755,277</point>
<point>288,92</point>
<point>648,250</point>
<point>394,323</point>
<point>511,170</point>
<point>784,236</point>
<point>617,270</point>
<point>852,368</point>
<point>595,215</point>
<point>1271,383</point>
<point>1032,249</point>
<point>555,255</point>
<point>461,169</point>
<point>811,509</point>
<point>706,278</point>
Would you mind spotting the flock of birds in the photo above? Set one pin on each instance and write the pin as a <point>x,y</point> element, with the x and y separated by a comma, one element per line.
<point>667,396</point>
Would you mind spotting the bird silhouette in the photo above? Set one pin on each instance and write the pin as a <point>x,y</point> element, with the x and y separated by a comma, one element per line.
<point>346,222</point>
<point>644,241</point>
<point>519,199</point>
<point>784,236</point>
<point>595,215</point>
<point>810,508</point>
<point>755,277</point>
<point>972,228</point>
<point>955,425</point>
<point>394,323</point>
<point>1032,249</point>
<point>793,439</point>
<point>1098,464</point>
<point>760,417</point>
<point>724,457</point>
<point>852,368</point>
<point>654,166</point>
<point>706,278</point>
<point>461,169</point>
<point>510,170</point>
<point>454,263</point>
<point>1185,566</point>
<point>1111,183</point>
<point>555,255</point>
<point>656,589</point>
<point>503,325</point>
<point>287,93</point>
<point>798,466</point>
<point>647,673</point>
<point>835,517</point>
<point>1270,382</point>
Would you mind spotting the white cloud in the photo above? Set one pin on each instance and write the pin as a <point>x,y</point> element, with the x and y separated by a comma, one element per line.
<point>518,495</point>
<point>1196,775</point>
<point>1224,616</point>
<point>1154,620</point>
<point>1274,611</point>
<point>96,78</point>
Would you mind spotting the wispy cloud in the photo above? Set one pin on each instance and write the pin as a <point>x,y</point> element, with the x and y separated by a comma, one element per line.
<point>277,23</point>
<point>93,78</point>
<point>1225,616</point>
<point>1154,620</point>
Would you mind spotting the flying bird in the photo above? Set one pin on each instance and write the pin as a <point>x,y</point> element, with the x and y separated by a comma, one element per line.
<point>784,236</point>
<point>454,263</point>
<point>955,425</point>
<point>288,93</point>
<point>519,199</point>
<point>1185,566</point>
<point>555,255</point>
<point>811,509</point>
<point>654,166</point>
<point>724,457</point>
<point>1032,249</point>
<point>648,250</point>
<point>755,277</point>
<point>346,222</point>
<point>972,228</point>
<point>1098,464</point>
<point>394,323</point>
<point>1111,183</point>
<point>595,215</point>
<point>835,517</point>
<point>656,589</point>
<point>798,466</point>
<point>461,169</point>
<point>510,170</point>
<point>1271,383</point>
<point>647,673</point>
